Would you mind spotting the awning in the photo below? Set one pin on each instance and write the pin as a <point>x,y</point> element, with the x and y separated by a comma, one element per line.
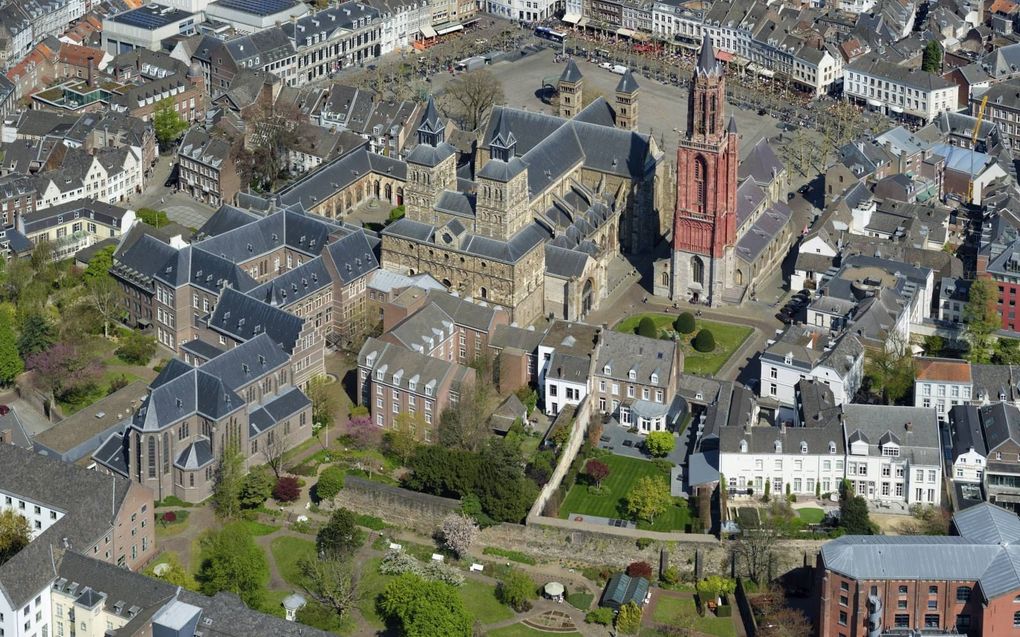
<point>450,29</point>
<point>627,33</point>
<point>572,18</point>
<point>583,22</point>
<point>896,109</point>
<point>875,103</point>
<point>724,56</point>
<point>428,31</point>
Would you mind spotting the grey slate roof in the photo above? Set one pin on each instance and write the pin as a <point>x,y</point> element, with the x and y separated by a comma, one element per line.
<point>561,262</point>
<point>571,73</point>
<point>965,430</point>
<point>761,440</point>
<point>624,353</point>
<point>225,219</point>
<point>707,63</point>
<point>88,499</point>
<point>761,164</point>
<point>627,83</point>
<point>510,337</point>
<point>294,284</point>
<point>245,317</point>
<point>352,256</point>
<point>1001,423</point>
<point>195,456</point>
<point>919,444</point>
<point>276,410</point>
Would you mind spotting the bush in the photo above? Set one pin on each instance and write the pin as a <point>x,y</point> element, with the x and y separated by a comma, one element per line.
<point>600,616</point>
<point>628,620</point>
<point>169,517</point>
<point>723,611</point>
<point>684,323</point>
<point>371,522</point>
<point>644,542</point>
<point>398,562</point>
<point>513,556</point>
<point>640,569</point>
<point>516,590</point>
<point>136,349</point>
<point>331,480</point>
<point>256,487</point>
<point>647,328</point>
<point>660,443</point>
<point>287,489</point>
<point>118,383</point>
<point>671,575</point>
<point>704,341</point>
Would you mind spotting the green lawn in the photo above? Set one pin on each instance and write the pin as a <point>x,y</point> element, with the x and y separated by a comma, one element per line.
<point>811,515</point>
<point>480,600</point>
<point>728,338</point>
<point>623,473</point>
<point>370,587</point>
<point>580,600</point>
<point>287,552</point>
<point>167,529</point>
<point>258,528</point>
<point>520,630</point>
<point>667,609</point>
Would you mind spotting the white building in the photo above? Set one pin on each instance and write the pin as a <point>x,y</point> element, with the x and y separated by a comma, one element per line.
<point>969,450</point>
<point>805,352</point>
<point>893,454</point>
<point>941,383</point>
<point>146,27</point>
<point>403,22</point>
<point>565,364</point>
<point>247,17</point>
<point>896,89</point>
<point>805,460</point>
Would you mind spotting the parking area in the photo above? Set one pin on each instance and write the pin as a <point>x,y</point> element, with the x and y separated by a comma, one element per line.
<point>619,440</point>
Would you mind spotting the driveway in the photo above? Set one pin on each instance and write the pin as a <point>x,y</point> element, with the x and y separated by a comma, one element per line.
<point>619,440</point>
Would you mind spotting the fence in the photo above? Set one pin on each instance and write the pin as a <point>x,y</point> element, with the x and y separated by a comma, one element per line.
<point>577,433</point>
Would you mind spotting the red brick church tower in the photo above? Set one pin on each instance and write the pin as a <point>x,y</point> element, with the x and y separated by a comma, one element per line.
<point>705,220</point>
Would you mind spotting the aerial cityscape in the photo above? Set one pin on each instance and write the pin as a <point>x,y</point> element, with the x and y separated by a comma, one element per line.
<point>432,318</point>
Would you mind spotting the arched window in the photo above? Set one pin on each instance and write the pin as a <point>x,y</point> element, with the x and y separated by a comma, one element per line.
<point>484,293</point>
<point>665,278</point>
<point>698,270</point>
<point>700,184</point>
<point>743,446</point>
<point>710,115</point>
<point>699,122</point>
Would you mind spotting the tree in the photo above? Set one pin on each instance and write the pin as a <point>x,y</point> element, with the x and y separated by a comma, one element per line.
<point>890,372</point>
<point>466,424</point>
<point>926,520</point>
<point>754,547</point>
<point>470,97</point>
<point>103,294</point>
<point>100,264</point>
<point>155,218</point>
<point>330,582</point>
<point>649,497</point>
<point>602,616</point>
<point>287,489</point>
<point>168,123</point>
<point>340,537</point>
<point>646,327</point>
<point>273,448</point>
<point>364,434</point>
<point>628,620</point>
<point>505,494</point>
<point>137,348</point>
<point>421,608</point>
<point>853,513</point>
<point>981,319</point>
<point>640,569</point>
<point>704,341</point>
<point>597,471</point>
<point>262,157</point>
<point>324,401</point>
<point>933,345</point>
<point>173,572</point>
<point>11,364</point>
<point>685,323</point>
<point>714,587</point>
<point>227,487</point>
<point>1007,351</point>
<point>15,534</point>
<point>64,370</point>
<point>37,334</point>
<point>256,487</point>
<point>785,622</point>
<point>458,532</point>
<point>331,481</point>
<point>516,590</point>
<point>660,443</point>
<point>931,61</point>
<point>234,563</point>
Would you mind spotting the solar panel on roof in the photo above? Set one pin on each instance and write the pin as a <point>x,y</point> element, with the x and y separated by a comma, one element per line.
<point>151,16</point>
<point>257,7</point>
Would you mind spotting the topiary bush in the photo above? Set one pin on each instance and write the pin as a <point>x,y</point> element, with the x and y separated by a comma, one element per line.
<point>331,480</point>
<point>704,341</point>
<point>647,328</point>
<point>684,323</point>
<point>287,489</point>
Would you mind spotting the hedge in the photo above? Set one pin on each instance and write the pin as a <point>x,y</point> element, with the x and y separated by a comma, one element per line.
<point>513,556</point>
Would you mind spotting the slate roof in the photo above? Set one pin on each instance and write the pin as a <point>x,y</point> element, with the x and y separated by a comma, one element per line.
<point>761,164</point>
<point>1001,423</point>
<point>18,435</point>
<point>819,440</point>
<point>570,72</point>
<point>279,408</point>
<point>511,337</point>
<point>464,312</point>
<point>965,430</point>
<point>352,256</point>
<point>337,174</point>
<point>564,263</point>
<point>412,366</point>
<point>88,500</point>
<point>204,270</point>
<point>627,83</point>
<point>984,551</point>
<point>294,284</point>
<point>624,353</point>
<point>920,444</point>
<point>245,317</point>
<point>707,64</point>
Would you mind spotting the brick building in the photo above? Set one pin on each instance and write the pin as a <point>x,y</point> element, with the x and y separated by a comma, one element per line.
<point>964,584</point>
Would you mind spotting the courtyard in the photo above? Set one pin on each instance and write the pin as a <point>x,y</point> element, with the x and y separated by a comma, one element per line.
<point>728,339</point>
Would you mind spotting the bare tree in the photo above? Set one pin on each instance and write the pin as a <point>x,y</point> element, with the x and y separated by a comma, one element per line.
<point>470,97</point>
<point>103,294</point>
<point>273,451</point>
<point>757,542</point>
<point>330,582</point>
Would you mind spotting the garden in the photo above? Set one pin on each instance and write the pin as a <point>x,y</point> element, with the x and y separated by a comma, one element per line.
<point>632,489</point>
<point>707,345</point>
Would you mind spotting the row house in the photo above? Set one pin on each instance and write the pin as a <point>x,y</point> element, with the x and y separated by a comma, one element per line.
<point>942,383</point>
<point>986,450</point>
<point>408,390</point>
<point>1003,108</point>
<point>76,225</point>
<point>346,35</point>
<point>207,169</point>
<point>110,175</point>
<point>634,379</point>
<point>804,352</point>
<point>387,125</point>
<point>109,519</point>
<point>564,364</point>
<point>921,584</point>
<point>17,197</point>
<point>244,399</point>
<point>403,23</point>
<point>896,89</point>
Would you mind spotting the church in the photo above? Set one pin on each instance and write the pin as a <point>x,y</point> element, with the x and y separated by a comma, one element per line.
<point>731,224</point>
<point>547,202</point>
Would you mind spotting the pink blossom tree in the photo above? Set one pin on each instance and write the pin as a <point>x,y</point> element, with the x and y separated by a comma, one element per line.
<point>63,370</point>
<point>364,434</point>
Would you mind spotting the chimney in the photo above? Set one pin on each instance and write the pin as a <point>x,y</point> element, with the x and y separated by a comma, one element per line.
<point>92,70</point>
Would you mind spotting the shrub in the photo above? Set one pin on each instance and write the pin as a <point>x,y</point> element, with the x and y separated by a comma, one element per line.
<point>723,611</point>
<point>646,327</point>
<point>704,341</point>
<point>671,575</point>
<point>513,556</point>
<point>287,489</point>
<point>644,542</point>
<point>169,517</point>
<point>117,383</point>
<point>371,522</point>
<point>684,323</point>
<point>640,569</point>
<point>600,616</point>
<point>398,562</point>
<point>137,348</point>
<point>256,487</point>
<point>516,590</point>
<point>628,620</point>
<point>660,443</point>
<point>331,480</point>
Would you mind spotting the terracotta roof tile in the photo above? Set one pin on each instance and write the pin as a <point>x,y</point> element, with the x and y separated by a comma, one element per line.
<point>943,369</point>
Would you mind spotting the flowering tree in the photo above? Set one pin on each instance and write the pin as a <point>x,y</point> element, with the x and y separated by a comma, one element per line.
<point>364,434</point>
<point>458,532</point>
<point>63,370</point>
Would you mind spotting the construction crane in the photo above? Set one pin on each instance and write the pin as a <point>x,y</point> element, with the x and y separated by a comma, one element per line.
<point>973,147</point>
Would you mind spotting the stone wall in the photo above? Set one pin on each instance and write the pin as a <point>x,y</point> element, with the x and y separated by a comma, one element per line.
<point>396,506</point>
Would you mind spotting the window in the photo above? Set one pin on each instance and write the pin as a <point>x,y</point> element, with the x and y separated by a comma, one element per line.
<point>901,621</point>
<point>931,621</point>
<point>963,593</point>
<point>903,590</point>
<point>844,600</point>
<point>1016,619</point>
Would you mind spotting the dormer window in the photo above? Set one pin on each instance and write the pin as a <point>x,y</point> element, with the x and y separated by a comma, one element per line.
<point>778,446</point>
<point>743,446</point>
<point>803,447</point>
<point>607,370</point>
<point>832,447</point>
<point>632,375</point>
<point>655,379</point>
